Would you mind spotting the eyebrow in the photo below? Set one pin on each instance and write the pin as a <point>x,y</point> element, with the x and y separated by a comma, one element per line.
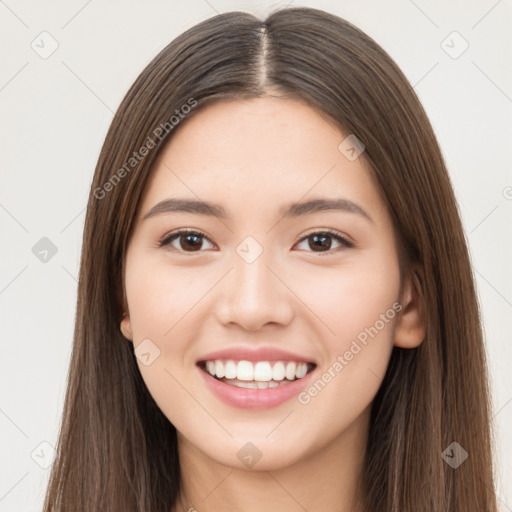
<point>287,211</point>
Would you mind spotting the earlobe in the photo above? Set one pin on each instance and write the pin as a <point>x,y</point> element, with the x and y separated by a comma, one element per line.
<point>126,327</point>
<point>410,328</point>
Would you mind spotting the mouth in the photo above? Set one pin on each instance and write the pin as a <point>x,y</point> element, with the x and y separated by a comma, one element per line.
<point>259,375</point>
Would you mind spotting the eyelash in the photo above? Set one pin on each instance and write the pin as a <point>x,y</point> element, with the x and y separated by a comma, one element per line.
<point>334,234</point>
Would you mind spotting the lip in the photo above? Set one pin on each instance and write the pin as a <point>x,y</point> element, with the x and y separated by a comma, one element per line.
<point>269,354</point>
<point>254,399</point>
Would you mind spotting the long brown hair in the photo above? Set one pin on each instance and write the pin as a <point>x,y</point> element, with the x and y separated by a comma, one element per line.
<point>116,450</point>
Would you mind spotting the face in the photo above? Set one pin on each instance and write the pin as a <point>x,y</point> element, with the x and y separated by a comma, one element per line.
<point>260,289</point>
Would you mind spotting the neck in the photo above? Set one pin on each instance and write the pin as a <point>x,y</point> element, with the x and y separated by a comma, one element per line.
<point>330,479</point>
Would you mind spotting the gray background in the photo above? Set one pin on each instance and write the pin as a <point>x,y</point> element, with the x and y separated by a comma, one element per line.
<point>55,110</point>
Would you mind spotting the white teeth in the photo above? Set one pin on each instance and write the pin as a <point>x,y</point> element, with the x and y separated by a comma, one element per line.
<point>261,371</point>
<point>302,369</point>
<point>278,371</point>
<point>254,384</point>
<point>244,371</point>
<point>230,370</point>
<point>246,385</point>
<point>219,369</point>
<point>290,370</point>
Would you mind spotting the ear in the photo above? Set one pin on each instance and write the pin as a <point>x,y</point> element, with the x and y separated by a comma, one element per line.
<point>126,327</point>
<point>410,328</point>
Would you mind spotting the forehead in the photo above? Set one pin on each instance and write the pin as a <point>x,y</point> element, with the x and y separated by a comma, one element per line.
<point>259,152</point>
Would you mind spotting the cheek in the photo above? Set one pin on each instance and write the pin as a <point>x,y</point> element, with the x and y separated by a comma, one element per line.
<point>161,303</point>
<point>160,298</point>
<point>362,310</point>
<point>358,307</point>
<point>350,299</point>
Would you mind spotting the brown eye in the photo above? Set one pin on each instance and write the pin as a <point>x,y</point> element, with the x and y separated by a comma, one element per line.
<point>322,241</point>
<point>188,241</point>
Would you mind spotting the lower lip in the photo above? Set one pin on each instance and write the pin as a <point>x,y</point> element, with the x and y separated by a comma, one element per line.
<point>245,398</point>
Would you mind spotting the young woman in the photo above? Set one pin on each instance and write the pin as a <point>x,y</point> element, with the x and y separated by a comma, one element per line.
<point>276,309</point>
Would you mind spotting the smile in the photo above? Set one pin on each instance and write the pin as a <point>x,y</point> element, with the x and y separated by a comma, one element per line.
<point>253,379</point>
<point>256,374</point>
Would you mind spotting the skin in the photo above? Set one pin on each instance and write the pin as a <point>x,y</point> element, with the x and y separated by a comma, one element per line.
<point>252,157</point>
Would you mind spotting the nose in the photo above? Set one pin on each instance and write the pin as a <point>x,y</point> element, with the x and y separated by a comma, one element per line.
<point>255,294</point>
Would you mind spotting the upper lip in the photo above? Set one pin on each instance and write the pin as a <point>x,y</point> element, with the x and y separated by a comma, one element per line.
<point>254,355</point>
